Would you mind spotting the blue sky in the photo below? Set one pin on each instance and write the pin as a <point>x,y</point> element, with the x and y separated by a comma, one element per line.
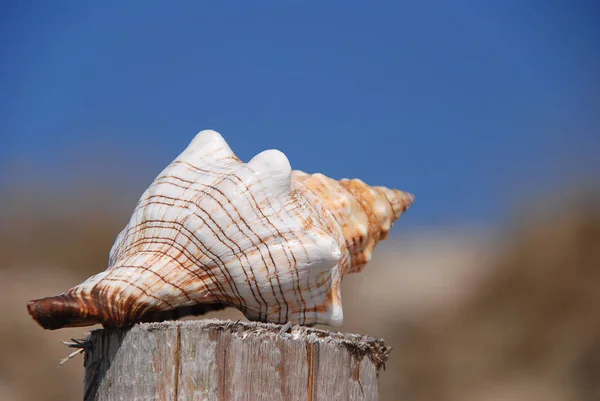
<point>472,106</point>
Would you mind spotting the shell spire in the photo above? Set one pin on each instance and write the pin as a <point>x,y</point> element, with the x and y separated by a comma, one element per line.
<point>365,213</point>
<point>212,232</point>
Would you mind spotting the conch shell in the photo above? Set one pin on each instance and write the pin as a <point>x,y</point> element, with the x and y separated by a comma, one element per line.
<point>212,231</point>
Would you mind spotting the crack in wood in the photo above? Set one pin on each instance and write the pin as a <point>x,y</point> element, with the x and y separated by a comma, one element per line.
<point>177,362</point>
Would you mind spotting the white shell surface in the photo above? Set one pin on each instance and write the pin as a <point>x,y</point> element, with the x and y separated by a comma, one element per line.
<point>212,229</point>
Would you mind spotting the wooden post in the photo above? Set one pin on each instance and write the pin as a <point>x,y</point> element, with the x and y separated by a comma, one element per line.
<point>224,360</point>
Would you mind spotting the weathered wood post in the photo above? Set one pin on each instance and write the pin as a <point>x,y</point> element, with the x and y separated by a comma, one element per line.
<point>224,360</point>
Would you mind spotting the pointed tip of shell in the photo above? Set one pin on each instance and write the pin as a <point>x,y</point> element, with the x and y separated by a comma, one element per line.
<point>399,200</point>
<point>364,213</point>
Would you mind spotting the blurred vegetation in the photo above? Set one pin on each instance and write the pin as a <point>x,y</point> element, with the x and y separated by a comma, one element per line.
<point>521,324</point>
<point>529,332</point>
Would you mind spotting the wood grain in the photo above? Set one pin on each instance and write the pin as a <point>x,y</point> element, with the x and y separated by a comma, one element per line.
<point>224,360</point>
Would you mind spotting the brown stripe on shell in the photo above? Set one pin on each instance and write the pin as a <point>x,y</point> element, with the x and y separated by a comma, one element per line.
<point>257,209</point>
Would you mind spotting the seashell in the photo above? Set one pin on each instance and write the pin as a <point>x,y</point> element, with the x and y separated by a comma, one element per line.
<point>212,231</point>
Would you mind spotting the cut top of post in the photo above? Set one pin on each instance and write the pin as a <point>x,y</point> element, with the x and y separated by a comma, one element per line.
<point>224,360</point>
